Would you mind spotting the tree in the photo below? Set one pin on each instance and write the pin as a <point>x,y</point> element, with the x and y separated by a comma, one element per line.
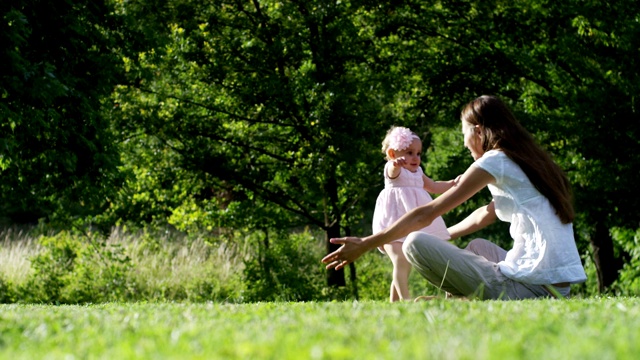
<point>273,103</point>
<point>282,104</point>
<point>56,152</point>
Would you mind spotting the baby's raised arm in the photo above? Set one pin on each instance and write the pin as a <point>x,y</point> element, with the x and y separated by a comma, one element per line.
<point>393,167</point>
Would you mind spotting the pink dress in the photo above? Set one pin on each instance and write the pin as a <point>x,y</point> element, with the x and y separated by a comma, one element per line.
<point>400,195</point>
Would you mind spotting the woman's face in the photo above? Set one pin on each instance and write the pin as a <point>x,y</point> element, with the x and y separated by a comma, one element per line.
<point>472,140</point>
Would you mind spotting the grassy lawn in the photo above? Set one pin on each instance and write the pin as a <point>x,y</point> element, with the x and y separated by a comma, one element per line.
<point>597,328</point>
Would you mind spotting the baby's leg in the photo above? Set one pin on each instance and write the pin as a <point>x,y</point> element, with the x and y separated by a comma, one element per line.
<point>399,289</point>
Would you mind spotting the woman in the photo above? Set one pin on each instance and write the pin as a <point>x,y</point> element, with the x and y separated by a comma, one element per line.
<point>529,190</point>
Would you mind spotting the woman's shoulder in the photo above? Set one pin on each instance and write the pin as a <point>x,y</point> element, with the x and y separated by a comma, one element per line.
<point>493,154</point>
<point>490,157</point>
<point>493,161</point>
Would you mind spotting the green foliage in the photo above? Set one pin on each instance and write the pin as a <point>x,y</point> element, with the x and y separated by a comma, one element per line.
<point>590,287</point>
<point>286,270</point>
<point>100,274</point>
<point>153,186</point>
<point>374,275</point>
<point>169,266</point>
<point>629,281</point>
<point>6,292</point>
<point>151,265</point>
<point>268,115</point>
<point>289,139</point>
<point>72,269</point>
<point>57,157</point>
<point>50,269</point>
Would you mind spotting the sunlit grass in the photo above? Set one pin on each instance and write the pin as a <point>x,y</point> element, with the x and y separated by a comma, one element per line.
<point>579,328</point>
<point>596,328</point>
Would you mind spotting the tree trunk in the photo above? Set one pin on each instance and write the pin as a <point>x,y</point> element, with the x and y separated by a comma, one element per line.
<point>354,282</point>
<point>352,270</point>
<point>604,258</point>
<point>334,277</point>
<point>265,254</point>
<point>332,230</point>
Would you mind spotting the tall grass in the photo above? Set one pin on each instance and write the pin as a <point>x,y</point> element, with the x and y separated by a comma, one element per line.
<point>17,247</point>
<point>165,261</point>
<point>171,266</point>
<point>134,266</point>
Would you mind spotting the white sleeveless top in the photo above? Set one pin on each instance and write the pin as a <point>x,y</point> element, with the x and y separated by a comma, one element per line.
<point>544,249</point>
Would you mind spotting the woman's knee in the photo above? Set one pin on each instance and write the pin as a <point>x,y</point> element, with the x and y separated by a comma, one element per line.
<point>487,249</point>
<point>416,241</point>
<point>476,245</point>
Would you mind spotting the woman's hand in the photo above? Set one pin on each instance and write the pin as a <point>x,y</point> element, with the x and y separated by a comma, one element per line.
<point>351,249</point>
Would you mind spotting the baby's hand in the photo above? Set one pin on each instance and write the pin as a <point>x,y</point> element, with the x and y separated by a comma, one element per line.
<point>399,162</point>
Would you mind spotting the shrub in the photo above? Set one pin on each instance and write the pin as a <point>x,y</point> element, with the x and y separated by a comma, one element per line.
<point>75,269</point>
<point>100,274</point>
<point>155,265</point>
<point>50,269</point>
<point>288,269</point>
<point>6,292</point>
<point>628,282</point>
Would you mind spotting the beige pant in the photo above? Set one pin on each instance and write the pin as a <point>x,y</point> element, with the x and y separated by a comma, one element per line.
<point>472,272</point>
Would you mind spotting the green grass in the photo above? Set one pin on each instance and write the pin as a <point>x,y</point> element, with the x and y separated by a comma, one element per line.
<point>594,328</point>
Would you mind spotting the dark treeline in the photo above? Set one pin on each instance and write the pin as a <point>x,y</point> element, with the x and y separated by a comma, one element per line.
<point>268,115</point>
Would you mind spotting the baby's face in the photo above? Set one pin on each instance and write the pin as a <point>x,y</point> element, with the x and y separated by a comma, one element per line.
<point>411,155</point>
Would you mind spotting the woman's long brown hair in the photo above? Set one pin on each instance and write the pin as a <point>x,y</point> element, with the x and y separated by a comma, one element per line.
<point>501,130</point>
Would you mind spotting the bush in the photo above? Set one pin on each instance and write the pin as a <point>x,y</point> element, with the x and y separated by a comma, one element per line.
<point>50,269</point>
<point>288,269</point>
<point>143,266</point>
<point>628,282</point>
<point>6,292</point>
<point>74,269</point>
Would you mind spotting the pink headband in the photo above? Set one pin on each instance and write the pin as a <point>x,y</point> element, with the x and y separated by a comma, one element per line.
<point>400,138</point>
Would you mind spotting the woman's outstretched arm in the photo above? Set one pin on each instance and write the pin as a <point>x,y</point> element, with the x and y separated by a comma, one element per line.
<point>472,181</point>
